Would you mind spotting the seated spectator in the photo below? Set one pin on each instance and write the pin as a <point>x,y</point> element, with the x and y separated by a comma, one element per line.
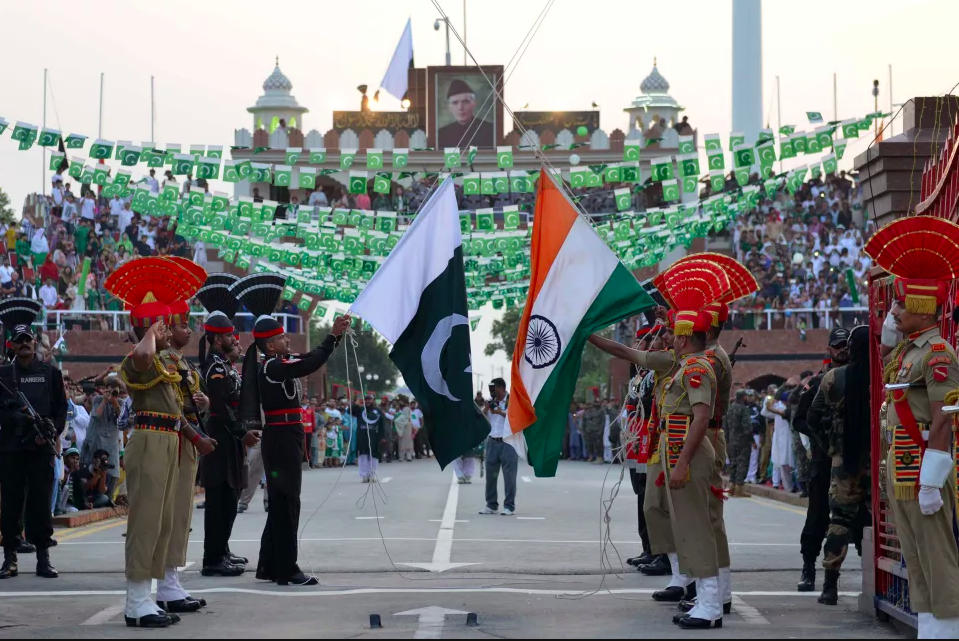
<point>95,481</point>
<point>70,488</point>
<point>13,288</point>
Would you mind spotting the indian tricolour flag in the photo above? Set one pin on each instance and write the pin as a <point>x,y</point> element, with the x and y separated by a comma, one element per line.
<point>417,301</point>
<point>577,286</point>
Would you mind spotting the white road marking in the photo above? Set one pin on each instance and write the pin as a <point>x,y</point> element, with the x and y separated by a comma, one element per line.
<point>441,520</point>
<point>387,479</point>
<point>530,518</point>
<point>364,591</point>
<point>347,539</point>
<point>431,621</point>
<point>443,551</point>
<point>369,518</point>
<point>527,479</point>
<point>106,614</point>
<point>750,614</point>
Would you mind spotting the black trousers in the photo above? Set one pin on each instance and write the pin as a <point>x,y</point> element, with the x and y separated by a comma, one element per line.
<point>638,480</point>
<point>817,514</point>
<point>221,502</point>
<point>282,449</point>
<point>26,490</point>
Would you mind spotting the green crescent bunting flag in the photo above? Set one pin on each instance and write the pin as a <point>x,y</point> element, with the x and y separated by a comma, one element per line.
<point>56,158</point>
<point>813,145</point>
<point>744,156</point>
<point>814,116</point>
<point>484,220</point>
<point>716,158</point>
<point>511,217</point>
<point>283,175</point>
<point>688,164</point>
<point>736,139</point>
<point>713,143</point>
<point>358,182</point>
<point>374,158</point>
<point>382,183</point>
<point>661,169</point>
<point>292,155</point>
<point>717,180</point>
<point>766,153</point>
<point>670,190</point>
<point>742,176</point>
<point>850,128</point>
<point>686,145</point>
<point>3,125</point>
<point>631,150</point>
<point>786,149</point>
<point>307,178</point>
<point>48,137</point>
<point>452,158</point>
<point>690,184</point>
<point>75,141</point>
<point>799,142</point>
<point>839,147</point>
<point>631,173</point>
<point>317,155</point>
<point>624,198</point>
<point>824,137</point>
<point>25,134</point>
<point>829,164</point>
<point>471,184</point>
<point>504,157</point>
<point>785,130</point>
<point>347,156</point>
<point>401,158</point>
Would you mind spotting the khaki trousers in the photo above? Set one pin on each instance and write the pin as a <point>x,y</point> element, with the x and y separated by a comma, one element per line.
<point>929,548</point>
<point>151,466</point>
<point>183,504</point>
<point>656,511</point>
<point>718,440</point>
<point>690,512</point>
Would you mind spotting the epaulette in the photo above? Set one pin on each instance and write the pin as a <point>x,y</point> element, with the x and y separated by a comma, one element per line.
<point>939,347</point>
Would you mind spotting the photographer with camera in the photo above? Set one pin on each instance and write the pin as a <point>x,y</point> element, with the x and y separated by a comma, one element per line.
<point>33,413</point>
<point>103,432</point>
<point>96,480</point>
<point>499,453</point>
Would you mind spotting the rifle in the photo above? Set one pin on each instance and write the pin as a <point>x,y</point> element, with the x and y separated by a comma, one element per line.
<point>732,354</point>
<point>35,419</point>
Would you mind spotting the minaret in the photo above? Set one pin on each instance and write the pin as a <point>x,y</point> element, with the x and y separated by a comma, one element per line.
<point>747,68</point>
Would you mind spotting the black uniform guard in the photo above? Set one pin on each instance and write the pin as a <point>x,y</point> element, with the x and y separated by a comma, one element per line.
<point>273,386</point>
<point>27,445</point>
<point>222,471</point>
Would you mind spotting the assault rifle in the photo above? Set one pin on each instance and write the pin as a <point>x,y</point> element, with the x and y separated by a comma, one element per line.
<point>732,354</point>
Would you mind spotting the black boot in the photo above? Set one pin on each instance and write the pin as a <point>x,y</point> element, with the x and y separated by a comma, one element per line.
<point>44,569</point>
<point>26,548</point>
<point>223,568</point>
<point>9,568</point>
<point>299,580</point>
<point>644,559</point>
<point>659,567</point>
<point>807,582</point>
<point>689,599</point>
<point>830,588</point>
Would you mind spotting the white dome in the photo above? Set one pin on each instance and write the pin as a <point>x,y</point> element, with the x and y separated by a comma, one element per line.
<point>277,81</point>
<point>654,82</point>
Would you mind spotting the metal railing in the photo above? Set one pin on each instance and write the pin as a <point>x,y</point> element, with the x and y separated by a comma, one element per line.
<point>769,319</point>
<point>292,323</point>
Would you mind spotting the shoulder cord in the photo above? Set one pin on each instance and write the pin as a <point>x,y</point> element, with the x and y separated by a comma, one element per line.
<point>282,384</point>
<point>163,376</point>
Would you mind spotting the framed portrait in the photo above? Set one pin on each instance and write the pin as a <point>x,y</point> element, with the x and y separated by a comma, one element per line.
<point>463,108</point>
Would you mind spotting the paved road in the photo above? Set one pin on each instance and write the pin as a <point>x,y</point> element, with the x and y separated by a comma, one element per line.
<point>527,576</point>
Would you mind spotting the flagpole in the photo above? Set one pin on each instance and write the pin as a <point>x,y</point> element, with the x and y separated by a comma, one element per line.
<point>779,118</point>
<point>43,168</point>
<point>100,127</point>
<point>835,102</point>
<point>152,111</point>
<point>464,33</point>
<point>890,100</point>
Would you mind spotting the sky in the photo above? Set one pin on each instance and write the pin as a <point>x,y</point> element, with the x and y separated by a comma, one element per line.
<point>210,58</point>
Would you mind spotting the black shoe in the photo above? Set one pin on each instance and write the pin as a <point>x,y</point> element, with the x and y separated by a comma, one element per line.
<point>804,494</point>
<point>685,606</point>
<point>830,588</point>
<point>201,506</point>
<point>263,575</point>
<point>658,567</point>
<point>300,580</point>
<point>690,592</point>
<point>645,559</point>
<point>9,569</point>
<point>728,608</point>
<point>266,506</point>
<point>689,623</point>
<point>182,606</point>
<point>807,582</point>
<point>26,548</point>
<point>44,568</point>
<point>174,618</point>
<point>202,602</point>
<point>223,568</point>
<point>150,621</point>
<point>240,509</point>
<point>237,560</point>
<point>669,595</point>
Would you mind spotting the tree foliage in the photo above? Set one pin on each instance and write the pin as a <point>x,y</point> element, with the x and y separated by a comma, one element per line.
<point>6,212</point>
<point>593,372</point>
<point>372,352</point>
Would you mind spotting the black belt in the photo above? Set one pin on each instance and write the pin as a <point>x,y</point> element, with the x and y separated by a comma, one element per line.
<point>156,421</point>
<point>285,419</point>
<point>493,438</point>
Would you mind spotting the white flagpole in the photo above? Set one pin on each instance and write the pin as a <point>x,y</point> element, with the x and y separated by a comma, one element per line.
<point>464,33</point>
<point>43,169</point>
<point>152,110</point>
<point>835,101</point>
<point>890,101</point>
<point>100,126</point>
<point>779,118</point>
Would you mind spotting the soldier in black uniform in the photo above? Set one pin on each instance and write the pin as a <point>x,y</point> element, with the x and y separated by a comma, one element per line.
<point>370,430</point>
<point>28,446</point>
<point>273,386</point>
<point>222,471</point>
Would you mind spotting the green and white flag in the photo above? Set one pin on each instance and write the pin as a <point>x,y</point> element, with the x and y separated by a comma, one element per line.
<point>500,182</point>
<point>486,185</point>
<point>850,128</point>
<point>101,173</point>
<point>358,182</point>
<point>670,190</point>
<point>829,164</point>
<point>764,136</point>
<point>230,173</point>
<point>208,168</point>
<point>101,149</point>
<point>182,163</point>
<point>735,139</point>
<point>786,149</point>
<point>631,172</point>
<point>215,151</point>
<point>766,153</point>
<point>452,158</point>
<point>25,134</point>
<point>813,145</point>
<point>839,147</point>
<point>742,176</point>
<point>785,130</point>
<point>690,184</point>
<point>317,155</point>
<point>577,177</point>
<point>130,155</point>
<point>374,158</point>
<point>382,183</point>
<point>688,164</point>
<point>385,222</point>
<point>593,179</point>
<point>613,173</point>
<point>474,322</point>
<point>56,158</point>
<point>504,157</point>
<point>814,116</point>
<point>520,183</point>
<point>75,141</point>
<point>307,178</point>
<point>48,137</point>
<point>511,217</point>
<point>282,175</point>
<point>401,158</point>
<point>3,125</point>
<point>624,198</point>
<point>717,180</point>
<point>744,156</point>
<point>305,302</point>
<point>347,156</point>
<point>417,301</point>
<point>824,136</point>
<point>484,220</point>
<point>86,176</point>
<point>661,169</point>
<point>815,171</point>
<point>716,158</point>
<point>686,145</point>
<point>713,143</point>
<point>799,142</point>
<point>292,155</point>
<point>471,185</point>
<point>631,150</point>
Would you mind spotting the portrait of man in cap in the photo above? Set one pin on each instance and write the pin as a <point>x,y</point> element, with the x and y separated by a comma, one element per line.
<point>462,112</point>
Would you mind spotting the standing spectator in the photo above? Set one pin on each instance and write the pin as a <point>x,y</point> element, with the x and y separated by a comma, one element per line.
<point>39,247</point>
<point>56,194</point>
<point>152,182</point>
<point>309,433</point>
<point>403,424</point>
<point>48,294</point>
<point>318,199</point>
<point>782,456</point>
<point>103,433</point>
<point>363,201</point>
<point>88,206</point>
<point>499,454</point>
<point>740,426</point>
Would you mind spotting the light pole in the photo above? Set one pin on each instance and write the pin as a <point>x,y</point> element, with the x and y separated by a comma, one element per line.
<point>875,96</point>
<point>436,27</point>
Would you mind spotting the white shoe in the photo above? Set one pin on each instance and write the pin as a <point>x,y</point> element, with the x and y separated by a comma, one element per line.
<point>469,480</point>
<point>461,480</point>
<point>486,511</point>
<point>507,512</point>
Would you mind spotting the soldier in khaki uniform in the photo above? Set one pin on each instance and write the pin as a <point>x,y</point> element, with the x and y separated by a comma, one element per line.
<point>922,376</point>
<point>148,286</point>
<point>171,596</point>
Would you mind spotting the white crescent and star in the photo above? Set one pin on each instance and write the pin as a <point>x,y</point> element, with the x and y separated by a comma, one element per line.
<point>432,351</point>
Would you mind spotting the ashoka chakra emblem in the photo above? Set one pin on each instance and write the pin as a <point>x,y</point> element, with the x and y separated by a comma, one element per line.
<point>542,342</point>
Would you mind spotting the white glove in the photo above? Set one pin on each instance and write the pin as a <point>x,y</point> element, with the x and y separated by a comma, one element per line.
<point>930,500</point>
<point>890,337</point>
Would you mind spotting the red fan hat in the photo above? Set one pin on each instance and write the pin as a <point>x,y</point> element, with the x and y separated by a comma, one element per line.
<point>148,286</point>
<point>179,312</point>
<point>922,252</point>
<point>741,283</point>
<point>692,285</point>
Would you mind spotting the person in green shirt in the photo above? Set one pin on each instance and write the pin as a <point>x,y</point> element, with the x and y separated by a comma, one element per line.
<point>23,249</point>
<point>81,238</point>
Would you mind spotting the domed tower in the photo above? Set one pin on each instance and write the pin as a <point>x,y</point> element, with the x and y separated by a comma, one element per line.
<point>277,103</point>
<point>654,103</point>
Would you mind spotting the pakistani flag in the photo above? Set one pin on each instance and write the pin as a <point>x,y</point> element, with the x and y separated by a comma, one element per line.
<point>839,146</point>
<point>813,146</point>
<point>799,142</point>
<point>670,190</point>
<point>48,137</point>
<point>736,139</point>
<point>624,199</point>
<point>25,134</point>
<point>75,141</point>
<point>786,149</point>
<point>713,143</point>
<point>347,156</point>
<point>717,181</point>
<point>631,149</point>
<point>688,165</point>
<point>716,159</point>
<point>484,220</point>
<point>452,158</point>
<point>382,183</point>
<point>767,153</point>
<point>401,158</point>
<point>417,301</point>
<point>358,182</point>
<point>4,123</point>
<point>824,136</point>
<point>374,159</point>
<point>504,157</point>
<point>292,155</point>
<point>307,178</point>
<point>511,217</point>
<point>742,176</point>
<point>744,156</point>
<point>829,164</point>
<point>765,135</point>
<point>101,149</point>
<point>686,145</point>
<point>317,155</point>
<point>785,130</point>
<point>814,116</point>
<point>207,168</point>
<point>850,128</point>
<point>661,169</point>
<point>471,185</point>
